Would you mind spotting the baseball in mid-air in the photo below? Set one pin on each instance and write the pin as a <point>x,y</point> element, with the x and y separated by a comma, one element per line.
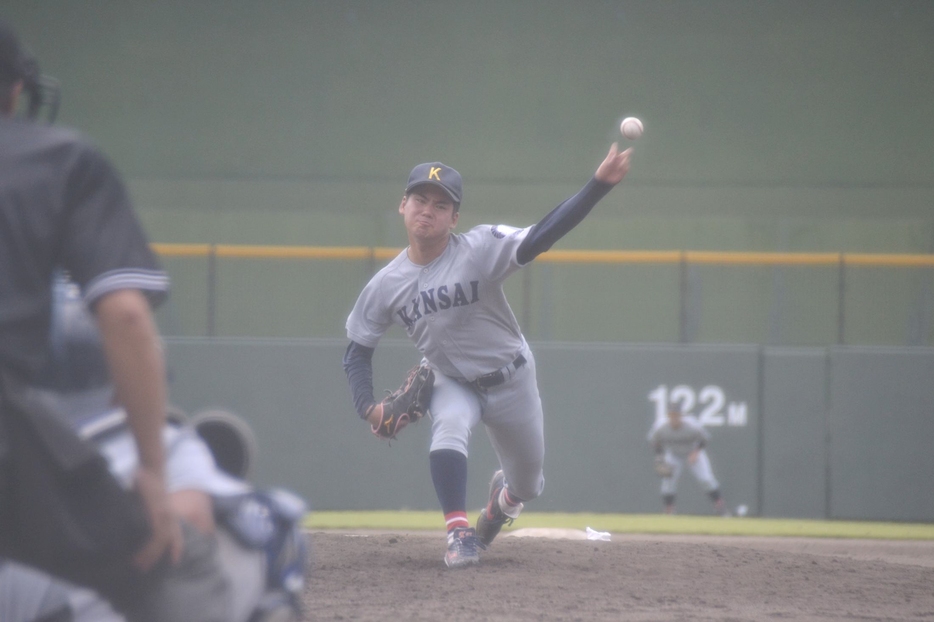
<point>631,128</point>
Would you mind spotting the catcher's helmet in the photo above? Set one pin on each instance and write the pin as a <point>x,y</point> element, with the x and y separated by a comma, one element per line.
<point>230,439</point>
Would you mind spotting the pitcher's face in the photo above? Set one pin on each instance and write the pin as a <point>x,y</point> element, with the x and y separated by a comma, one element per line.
<point>428,213</point>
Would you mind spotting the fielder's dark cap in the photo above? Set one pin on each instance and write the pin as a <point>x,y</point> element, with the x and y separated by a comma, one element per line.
<point>437,174</point>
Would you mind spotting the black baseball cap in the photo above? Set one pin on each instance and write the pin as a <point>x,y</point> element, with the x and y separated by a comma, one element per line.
<point>437,174</point>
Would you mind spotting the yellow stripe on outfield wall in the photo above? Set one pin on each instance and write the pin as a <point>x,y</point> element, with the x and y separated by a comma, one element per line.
<point>774,259</point>
<point>243,251</point>
<point>240,251</point>
<point>182,250</point>
<point>903,261</point>
<point>610,257</point>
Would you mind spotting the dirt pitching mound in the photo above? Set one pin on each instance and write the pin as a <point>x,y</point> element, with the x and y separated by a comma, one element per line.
<point>401,576</point>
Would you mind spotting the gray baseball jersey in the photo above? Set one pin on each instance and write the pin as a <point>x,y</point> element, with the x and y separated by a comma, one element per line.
<point>682,441</point>
<point>456,312</point>
<point>454,309</point>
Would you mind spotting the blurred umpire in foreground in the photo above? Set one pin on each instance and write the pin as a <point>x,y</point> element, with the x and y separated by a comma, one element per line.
<point>63,205</point>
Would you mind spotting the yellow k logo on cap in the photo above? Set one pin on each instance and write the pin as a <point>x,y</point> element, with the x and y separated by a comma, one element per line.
<point>433,173</point>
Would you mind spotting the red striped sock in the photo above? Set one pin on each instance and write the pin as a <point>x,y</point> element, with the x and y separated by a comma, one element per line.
<point>455,520</point>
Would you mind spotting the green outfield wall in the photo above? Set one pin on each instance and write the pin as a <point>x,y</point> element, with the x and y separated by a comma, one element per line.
<point>755,112</point>
<point>839,433</point>
<point>798,126</point>
<point>792,126</point>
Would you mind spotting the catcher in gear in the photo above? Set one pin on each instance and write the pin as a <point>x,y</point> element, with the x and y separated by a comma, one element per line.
<point>407,404</point>
<point>259,553</point>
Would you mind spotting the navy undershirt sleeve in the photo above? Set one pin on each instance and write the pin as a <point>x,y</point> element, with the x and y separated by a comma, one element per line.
<point>560,220</point>
<point>358,365</point>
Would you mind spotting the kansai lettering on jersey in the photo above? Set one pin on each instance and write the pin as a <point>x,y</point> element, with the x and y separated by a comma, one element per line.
<point>433,301</point>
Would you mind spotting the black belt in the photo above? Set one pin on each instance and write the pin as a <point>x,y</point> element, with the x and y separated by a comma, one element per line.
<point>499,376</point>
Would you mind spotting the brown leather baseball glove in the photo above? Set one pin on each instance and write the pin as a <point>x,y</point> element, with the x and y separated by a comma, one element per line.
<point>662,467</point>
<point>407,404</point>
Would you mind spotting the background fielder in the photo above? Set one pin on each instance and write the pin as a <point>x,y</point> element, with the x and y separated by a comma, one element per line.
<point>678,441</point>
<point>446,291</point>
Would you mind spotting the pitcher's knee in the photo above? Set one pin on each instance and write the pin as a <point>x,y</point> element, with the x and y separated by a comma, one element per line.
<point>450,434</point>
<point>526,491</point>
<point>449,441</point>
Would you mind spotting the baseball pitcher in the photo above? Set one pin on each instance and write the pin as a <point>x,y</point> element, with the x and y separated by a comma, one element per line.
<point>446,291</point>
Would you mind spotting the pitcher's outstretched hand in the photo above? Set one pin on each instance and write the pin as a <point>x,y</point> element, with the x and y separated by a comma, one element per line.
<point>614,168</point>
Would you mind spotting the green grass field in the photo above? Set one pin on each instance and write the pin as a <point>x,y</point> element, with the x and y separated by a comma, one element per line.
<point>641,523</point>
